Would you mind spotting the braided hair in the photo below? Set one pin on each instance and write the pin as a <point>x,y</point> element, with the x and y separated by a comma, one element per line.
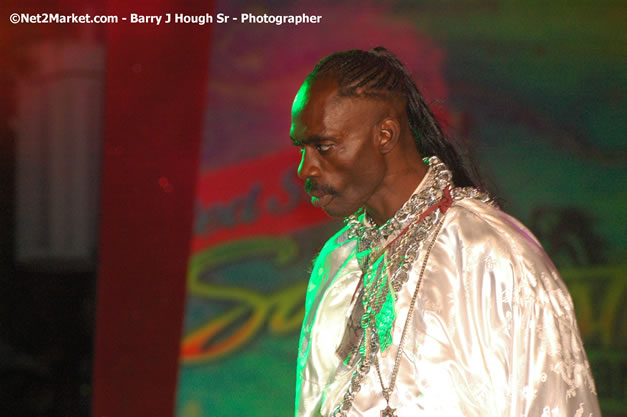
<point>379,74</point>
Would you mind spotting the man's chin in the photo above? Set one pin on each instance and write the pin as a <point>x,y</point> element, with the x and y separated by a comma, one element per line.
<point>332,210</point>
<point>330,213</point>
<point>329,204</point>
<point>325,203</point>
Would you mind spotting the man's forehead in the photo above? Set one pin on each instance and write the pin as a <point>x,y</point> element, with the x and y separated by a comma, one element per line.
<point>314,93</point>
<point>302,97</point>
<point>312,105</point>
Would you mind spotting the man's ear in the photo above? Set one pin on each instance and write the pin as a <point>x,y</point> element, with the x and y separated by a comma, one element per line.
<point>388,134</point>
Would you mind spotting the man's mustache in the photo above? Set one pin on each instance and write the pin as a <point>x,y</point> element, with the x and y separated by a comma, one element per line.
<point>311,186</point>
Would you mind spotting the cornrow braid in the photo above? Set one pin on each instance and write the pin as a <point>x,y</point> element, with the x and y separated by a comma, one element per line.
<point>380,74</point>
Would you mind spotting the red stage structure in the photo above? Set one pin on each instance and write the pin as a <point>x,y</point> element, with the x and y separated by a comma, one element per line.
<point>155,99</point>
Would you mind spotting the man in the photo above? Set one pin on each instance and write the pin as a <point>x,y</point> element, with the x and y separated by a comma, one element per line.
<point>430,301</point>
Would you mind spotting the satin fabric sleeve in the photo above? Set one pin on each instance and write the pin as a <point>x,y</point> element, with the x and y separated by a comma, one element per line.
<point>518,344</point>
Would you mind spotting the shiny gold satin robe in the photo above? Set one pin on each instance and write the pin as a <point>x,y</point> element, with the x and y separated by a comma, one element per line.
<point>493,332</point>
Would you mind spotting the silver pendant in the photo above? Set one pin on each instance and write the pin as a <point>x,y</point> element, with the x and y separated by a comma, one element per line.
<point>388,412</point>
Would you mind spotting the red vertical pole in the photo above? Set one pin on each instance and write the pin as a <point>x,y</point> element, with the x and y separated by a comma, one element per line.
<point>156,86</point>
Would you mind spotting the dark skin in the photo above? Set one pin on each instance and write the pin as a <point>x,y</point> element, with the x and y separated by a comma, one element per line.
<point>356,151</point>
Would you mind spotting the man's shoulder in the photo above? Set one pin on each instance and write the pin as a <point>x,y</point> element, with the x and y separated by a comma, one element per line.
<point>476,221</point>
<point>484,238</point>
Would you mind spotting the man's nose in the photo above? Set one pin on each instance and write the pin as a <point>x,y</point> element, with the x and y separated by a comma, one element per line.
<point>308,166</point>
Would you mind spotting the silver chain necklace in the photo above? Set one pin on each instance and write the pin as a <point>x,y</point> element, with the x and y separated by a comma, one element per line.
<point>371,355</point>
<point>389,411</point>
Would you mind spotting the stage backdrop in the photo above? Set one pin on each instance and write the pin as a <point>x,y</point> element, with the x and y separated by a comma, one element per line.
<point>536,92</point>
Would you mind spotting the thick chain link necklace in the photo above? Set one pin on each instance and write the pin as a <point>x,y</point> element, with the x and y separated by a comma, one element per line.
<point>420,217</point>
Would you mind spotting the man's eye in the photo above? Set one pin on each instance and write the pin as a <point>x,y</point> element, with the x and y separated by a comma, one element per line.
<point>323,147</point>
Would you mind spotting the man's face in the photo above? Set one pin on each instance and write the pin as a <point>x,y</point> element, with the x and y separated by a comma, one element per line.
<point>340,163</point>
